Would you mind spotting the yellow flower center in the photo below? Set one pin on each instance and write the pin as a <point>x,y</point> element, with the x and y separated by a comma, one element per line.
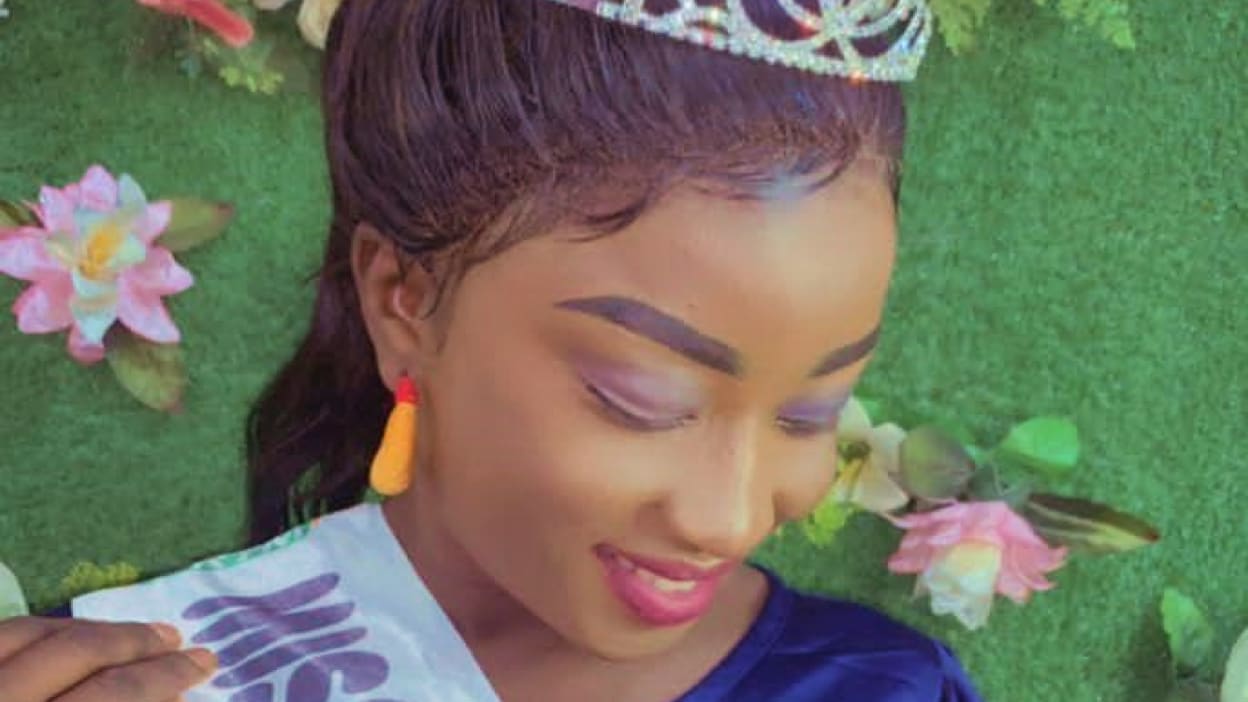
<point>101,248</point>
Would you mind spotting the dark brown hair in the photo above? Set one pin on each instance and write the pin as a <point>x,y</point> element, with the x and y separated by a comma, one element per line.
<point>445,118</point>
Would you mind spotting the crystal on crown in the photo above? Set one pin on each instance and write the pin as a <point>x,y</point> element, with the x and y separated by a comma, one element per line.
<point>826,44</point>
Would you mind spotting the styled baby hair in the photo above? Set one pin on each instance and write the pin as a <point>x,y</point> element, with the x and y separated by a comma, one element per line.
<point>458,128</point>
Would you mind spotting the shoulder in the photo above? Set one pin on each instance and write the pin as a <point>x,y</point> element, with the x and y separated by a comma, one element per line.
<point>839,649</point>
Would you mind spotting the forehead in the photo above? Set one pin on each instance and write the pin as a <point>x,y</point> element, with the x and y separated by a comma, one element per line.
<point>810,270</point>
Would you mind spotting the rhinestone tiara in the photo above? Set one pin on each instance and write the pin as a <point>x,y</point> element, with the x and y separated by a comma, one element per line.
<point>826,44</point>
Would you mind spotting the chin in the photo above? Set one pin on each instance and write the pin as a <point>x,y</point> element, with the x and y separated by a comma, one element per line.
<point>620,642</point>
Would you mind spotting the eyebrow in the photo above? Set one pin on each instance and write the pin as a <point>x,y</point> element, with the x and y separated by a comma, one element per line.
<point>640,318</point>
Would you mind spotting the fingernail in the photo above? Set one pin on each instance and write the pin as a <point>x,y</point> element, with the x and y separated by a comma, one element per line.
<point>203,658</point>
<point>168,633</point>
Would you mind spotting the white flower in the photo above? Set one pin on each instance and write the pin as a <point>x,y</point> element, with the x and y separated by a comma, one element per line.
<point>12,601</point>
<point>1235,684</point>
<point>314,19</point>
<point>870,480</point>
<point>4,11</point>
<point>963,583</point>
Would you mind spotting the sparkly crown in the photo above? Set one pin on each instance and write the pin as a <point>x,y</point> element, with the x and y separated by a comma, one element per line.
<point>825,41</point>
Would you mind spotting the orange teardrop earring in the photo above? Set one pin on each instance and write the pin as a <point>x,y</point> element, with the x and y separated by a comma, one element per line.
<point>395,461</point>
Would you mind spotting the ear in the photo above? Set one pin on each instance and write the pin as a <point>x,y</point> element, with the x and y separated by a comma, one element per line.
<point>394,306</point>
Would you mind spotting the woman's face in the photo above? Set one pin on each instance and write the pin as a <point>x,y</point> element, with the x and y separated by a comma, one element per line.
<point>667,392</point>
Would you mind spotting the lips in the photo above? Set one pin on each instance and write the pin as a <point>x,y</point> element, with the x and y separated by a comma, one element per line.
<point>660,592</point>
<point>675,570</point>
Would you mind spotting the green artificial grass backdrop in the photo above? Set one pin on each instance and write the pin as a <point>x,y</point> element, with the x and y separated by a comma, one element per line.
<point>1074,234</point>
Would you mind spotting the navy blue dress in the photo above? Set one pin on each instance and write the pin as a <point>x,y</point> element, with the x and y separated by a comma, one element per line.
<point>807,648</point>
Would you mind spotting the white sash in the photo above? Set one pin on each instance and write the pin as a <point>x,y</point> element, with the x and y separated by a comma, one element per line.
<point>330,611</point>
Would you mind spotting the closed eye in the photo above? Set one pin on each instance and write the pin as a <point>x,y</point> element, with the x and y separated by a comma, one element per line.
<point>616,411</point>
<point>805,429</point>
<point>800,428</point>
<point>810,426</point>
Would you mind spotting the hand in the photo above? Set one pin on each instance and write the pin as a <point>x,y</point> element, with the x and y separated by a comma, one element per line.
<point>78,660</point>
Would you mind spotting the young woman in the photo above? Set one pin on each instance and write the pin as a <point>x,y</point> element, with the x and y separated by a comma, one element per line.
<point>603,283</point>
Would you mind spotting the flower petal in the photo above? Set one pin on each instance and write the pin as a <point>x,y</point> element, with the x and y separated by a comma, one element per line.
<point>159,274</point>
<point>853,424</point>
<point>132,252</point>
<point>129,193</point>
<point>911,560</point>
<point>44,307</point>
<point>1011,585</point>
<point>154,221</point>
<point>846,477</point>
<point>56,209</point>
<point>24,255</point>
<point>145,315</point>
<point>885,441</point>
<point>875,489</point>
<point>98,190</point>
<point>82,350</point>
<point>94,316</point>
<point>971,611</point>
<point>89,289</point>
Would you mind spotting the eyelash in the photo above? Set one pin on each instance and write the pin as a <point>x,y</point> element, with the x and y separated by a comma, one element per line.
<point>807,430</point>
<point>628,418</point>
<point>794,427</point>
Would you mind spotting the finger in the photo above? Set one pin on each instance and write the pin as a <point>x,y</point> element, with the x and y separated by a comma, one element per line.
<point>20,632</point>
<point>73,653</point>
<point>151,680</point>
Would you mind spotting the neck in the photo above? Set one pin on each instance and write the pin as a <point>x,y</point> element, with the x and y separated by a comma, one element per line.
<point>489,619</point>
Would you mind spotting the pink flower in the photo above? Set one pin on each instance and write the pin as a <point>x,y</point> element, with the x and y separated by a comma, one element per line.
<point>233,28</point>
<point>93,263</point>
<point>967,551</point>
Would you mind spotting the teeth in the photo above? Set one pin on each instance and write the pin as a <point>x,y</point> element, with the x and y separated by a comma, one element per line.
<point>665,585</point>
<point>659,582</point>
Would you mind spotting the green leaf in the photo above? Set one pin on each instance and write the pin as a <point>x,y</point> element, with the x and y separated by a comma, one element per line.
<point>1086,526</point>
<point>1188,631</point>
<point>1046,445</point>
<point>154,374</point>
<point>15,214</point>
<point>292,62</point>
<point>934,465</point>
<point>988,485</point>
<point>957,21</point>
<point>1191,690</point>
<point>195,222</point>
<point>1235,682</point>
<point>821,526</point>
<point>978,454</point>
<point>954,430</point>
<point>86,577</point>
<point>1106,17</point>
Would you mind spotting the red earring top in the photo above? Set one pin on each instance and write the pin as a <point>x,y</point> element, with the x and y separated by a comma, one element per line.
<point>406,391</point>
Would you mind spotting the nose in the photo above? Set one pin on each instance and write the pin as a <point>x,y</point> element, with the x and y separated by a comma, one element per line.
<point>723,505</point>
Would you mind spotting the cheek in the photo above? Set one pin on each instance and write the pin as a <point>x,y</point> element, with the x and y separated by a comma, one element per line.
<point>518,447</point>
<point>806,476</point>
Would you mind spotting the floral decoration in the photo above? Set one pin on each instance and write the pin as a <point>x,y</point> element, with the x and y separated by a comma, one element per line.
<point>976,525</point>
<point>99,259</point>
<point>12,599</point>
<point>232,39</point>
